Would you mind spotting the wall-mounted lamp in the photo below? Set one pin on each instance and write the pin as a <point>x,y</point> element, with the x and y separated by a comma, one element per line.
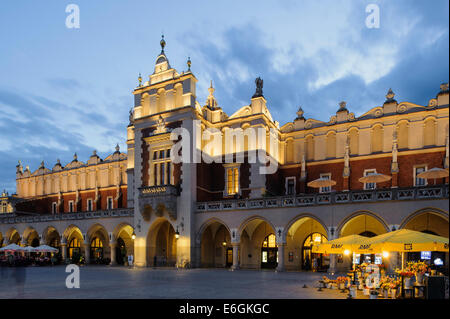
<point>133,235</point>
<point>177,234</point>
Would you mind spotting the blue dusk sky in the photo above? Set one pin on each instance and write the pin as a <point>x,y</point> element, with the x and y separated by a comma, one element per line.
<point>69,90</point>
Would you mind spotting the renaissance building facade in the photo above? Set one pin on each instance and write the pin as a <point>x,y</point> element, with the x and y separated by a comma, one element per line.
<point>207,211</point>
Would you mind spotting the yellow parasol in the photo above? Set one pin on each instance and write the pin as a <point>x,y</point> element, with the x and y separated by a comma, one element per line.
<point>344,245</point>
<point>321,182</point>
<point>405,240</point>
<point>375,178</point>
<point>434,173</point>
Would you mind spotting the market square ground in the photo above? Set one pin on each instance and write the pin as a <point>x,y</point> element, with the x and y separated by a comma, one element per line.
<point>121,282</point>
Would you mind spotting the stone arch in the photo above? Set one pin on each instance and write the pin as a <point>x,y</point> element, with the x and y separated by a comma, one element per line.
<point>30,235</point>
<point>353,216</point>
<point>215,244</point>
<point>122,235</point>
<point>97,238</point>
<point>12,236</point>
<point>427,219</point>
<point>75,240</point>
<point>253,232</point>
<point>161,243</point>
<point>296,232</point>
<point>51,236</point>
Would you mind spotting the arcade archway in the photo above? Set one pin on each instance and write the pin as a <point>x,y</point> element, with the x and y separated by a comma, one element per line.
<point>254,233</point>
<point>302,232</point>
<point>161,244</point>
<point>216,249</point>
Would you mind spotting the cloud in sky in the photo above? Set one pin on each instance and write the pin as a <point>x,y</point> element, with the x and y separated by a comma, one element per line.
<point>64,91</point>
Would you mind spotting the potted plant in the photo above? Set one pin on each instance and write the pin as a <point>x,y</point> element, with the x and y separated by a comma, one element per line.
<point>341,282</point>
<point>407,274</point>
<point>373,293</point>
<point>393,288</point>
<point>419,268</point>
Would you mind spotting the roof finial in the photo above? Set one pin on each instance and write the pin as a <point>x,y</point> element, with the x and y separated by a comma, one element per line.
<point>75,157</point>
<point>162,43</point>
<point>390,96</point>
<point>117,147</point>
<point>189,63</point>
<point>140,79</point>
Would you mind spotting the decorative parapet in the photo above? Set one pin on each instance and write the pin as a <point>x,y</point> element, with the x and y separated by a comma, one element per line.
<point>120,212</point>
<point>379,195</point>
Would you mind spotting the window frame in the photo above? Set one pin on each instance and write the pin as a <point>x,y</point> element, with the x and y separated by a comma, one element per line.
<point>415,167</point>
<point>89,209</point>
<point>71,206</point>
<point>109,207</point>
<point>370,170</point>
<point>236,185</point>
<point>324,189</point>
<point>54,207</point>
<point>286,184</point>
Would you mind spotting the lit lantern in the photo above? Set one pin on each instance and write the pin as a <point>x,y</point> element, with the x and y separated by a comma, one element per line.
<point>133,236</point>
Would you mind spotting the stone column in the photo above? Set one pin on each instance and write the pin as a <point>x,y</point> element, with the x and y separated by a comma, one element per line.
<point>63,251</point>
<point>332,268</point>
<point>112,246</point>
<point>87,252</point>
<point>235,256</point>
<point>280,266</point>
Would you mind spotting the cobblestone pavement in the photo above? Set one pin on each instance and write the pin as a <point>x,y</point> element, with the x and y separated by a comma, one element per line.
<point>124,282</point>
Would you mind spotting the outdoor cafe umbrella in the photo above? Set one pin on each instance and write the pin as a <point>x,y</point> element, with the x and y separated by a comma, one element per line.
<point>375,178</point>
<point>406,240</point>
<point>343,245</point>
<point>12,247</point>
<point>321,182</point>
<point>45,249</point>
<point>434,173</point>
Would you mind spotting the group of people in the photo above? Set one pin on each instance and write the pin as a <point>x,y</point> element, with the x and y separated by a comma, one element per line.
<point>19,260</point>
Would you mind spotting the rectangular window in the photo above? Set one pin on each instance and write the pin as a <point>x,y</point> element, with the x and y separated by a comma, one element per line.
<point>417,180</point>
<point>161,154</point>
<point>71,206</point>
<point>109,203</point>
<point>162,173</point>
<point>54,208</point>
<point>168,153</point>
<point>290,185</point>
<point>368,172</point>
<point>232,180</point>
<point>325,189</point>
<point>155,155</point>
<point>155,172</point>
<point>89,205</point>
<point>169,176</point>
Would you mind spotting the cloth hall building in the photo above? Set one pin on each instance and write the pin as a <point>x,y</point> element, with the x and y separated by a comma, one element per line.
<point>220,214</point>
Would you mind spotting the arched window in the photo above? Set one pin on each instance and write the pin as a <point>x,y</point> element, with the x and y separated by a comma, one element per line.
<point>290,151</point>
<point>309,147</point>
<point>270,241</point>
<point>377,139</point>
<point>96,248</point>
<point>74,247</point>
<point>402,135</point>
<point>331,145</point>
<point>308,256</point>
<point>429,133</point>
<point>353,143</point>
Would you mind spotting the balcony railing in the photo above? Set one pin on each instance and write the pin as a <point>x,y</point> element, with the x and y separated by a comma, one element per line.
<point>378,195</point>
<point>120,212</point>
<point>158,190</point>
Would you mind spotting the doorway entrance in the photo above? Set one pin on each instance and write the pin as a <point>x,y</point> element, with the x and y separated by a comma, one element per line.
<point>269,253</point>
